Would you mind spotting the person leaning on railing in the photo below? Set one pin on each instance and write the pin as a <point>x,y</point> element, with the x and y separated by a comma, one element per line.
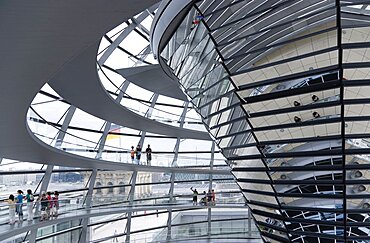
<point>203,200</point>
<point>49,197</point>
<point>11,203</point>
<point>30,198</point>
<point>19,209</point>
<point>44,206</point>
<point>54,205</point>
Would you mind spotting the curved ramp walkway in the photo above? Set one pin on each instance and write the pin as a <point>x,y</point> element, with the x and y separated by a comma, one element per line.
<point>7,231</point>
<point>78,82</point>
<point>153,78</point>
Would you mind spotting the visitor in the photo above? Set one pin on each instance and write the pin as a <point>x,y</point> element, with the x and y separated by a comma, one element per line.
<point>315,114</point>
<point>209,197</point>
<point>132,154</point>
<point>30,198</point>
<point>296,103</point>
<point>195,196</point>
<point>11,203</point>
<point>148,152</point>
<point>297,119</point>
<point>54,205</point>
<point>203,200</point>
<point>19,205</point>
<point>49,198</point>
<point>44,206</point>
<point>138,153</point>
<point>315,98</point>
<point>213,197</point>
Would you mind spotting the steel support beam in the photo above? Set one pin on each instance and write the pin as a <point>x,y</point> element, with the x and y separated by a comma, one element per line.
<point>143,54</point>
<point>209,229</point>
<point>66,122</point>
<point>169,219</point>
<point>178,140</point>
<point>173,175</point>
<point>85,234</point>
<point>131,199</point>
<point>148,114</point>
<point>125,33</point>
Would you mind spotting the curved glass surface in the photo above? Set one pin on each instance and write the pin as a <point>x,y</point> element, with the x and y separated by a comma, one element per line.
<point>282,87</point>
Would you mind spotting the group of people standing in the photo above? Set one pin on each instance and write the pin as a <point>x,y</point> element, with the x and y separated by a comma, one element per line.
<point>16,203</point>
<point>49,205</point>
<point>136,154</point>
<point>209,198</point>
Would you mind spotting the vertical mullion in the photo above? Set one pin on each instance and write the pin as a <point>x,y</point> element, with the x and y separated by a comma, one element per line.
<point>340,65</point>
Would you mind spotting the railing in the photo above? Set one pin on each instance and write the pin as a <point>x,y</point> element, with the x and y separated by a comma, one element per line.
<point>74,206</point>
<point>73,209</point>
<point>194,232</point>
<point>188,232</point>
<point>48,132</point>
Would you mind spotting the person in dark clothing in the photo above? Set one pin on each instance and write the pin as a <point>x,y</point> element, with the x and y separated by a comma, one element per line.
<point>44,207</point>
<point>203,200</point>
<point>138,153</point>
<point>195,196</point>
<point>315,98</point>
<point>297,119</point>
<point>148,152</point>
